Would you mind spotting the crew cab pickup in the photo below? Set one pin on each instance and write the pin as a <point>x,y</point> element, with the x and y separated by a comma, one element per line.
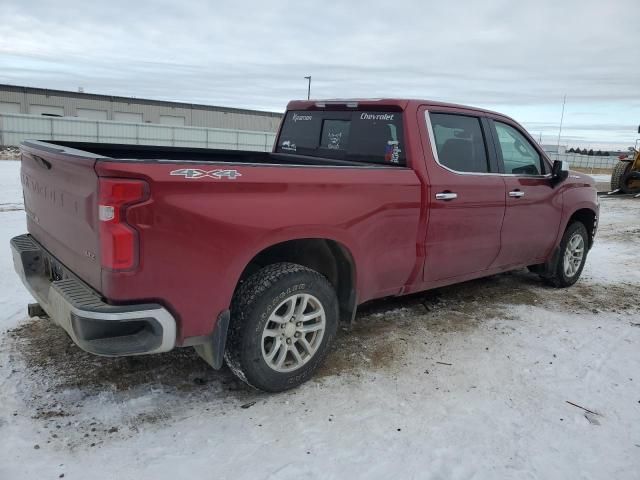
<point>255,257</point>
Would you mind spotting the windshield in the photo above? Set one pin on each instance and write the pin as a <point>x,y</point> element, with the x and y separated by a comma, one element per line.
<point>372,137</point>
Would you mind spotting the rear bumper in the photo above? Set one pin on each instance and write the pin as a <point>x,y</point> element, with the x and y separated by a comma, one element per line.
<point>95,326</point>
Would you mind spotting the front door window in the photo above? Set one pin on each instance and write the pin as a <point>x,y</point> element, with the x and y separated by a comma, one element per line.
<point>518,155</point>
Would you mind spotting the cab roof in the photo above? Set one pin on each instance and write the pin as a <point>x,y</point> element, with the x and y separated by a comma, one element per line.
<point>369,103</point>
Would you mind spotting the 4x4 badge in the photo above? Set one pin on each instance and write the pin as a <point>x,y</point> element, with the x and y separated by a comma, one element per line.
<point>198,173</point>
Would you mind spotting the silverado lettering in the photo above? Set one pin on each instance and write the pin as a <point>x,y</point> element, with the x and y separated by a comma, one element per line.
<point>297,117</point>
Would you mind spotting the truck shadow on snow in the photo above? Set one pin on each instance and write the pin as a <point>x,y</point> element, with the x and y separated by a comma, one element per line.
<point>106,399</point>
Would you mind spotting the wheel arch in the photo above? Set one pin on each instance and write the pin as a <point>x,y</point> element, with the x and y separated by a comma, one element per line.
<point>326,256</point>
<point>589,218</point>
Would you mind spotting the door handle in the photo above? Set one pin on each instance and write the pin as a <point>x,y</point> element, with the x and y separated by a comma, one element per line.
<point>446,196</point>
<point>516,194</point>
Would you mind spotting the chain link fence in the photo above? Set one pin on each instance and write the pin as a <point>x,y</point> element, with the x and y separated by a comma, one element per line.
<point>590,163</point>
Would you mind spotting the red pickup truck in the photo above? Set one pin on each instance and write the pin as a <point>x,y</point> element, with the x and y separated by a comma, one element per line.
<point>254,257</point>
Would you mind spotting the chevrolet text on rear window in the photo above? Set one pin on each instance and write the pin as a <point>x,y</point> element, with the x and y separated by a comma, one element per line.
<point>368,137</point>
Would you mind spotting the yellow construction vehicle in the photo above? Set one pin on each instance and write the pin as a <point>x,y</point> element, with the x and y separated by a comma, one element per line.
<point>625,177</point>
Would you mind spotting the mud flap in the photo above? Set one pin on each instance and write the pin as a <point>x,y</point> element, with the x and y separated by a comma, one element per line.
<point>548,267</point>
<point>212,350</point>
<point>348,311</point>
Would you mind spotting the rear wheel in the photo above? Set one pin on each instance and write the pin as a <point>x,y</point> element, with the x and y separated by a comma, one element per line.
<point>283,320</point>
<point>630,182</point>
<point>572,256</point>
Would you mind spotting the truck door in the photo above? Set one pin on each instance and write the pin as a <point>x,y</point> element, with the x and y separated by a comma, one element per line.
<point>467,195</point>
<point>534,208</point>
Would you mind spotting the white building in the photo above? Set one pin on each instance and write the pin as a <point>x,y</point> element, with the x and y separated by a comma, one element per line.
<point>59,103</point>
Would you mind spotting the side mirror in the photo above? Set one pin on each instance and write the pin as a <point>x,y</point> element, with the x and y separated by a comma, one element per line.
<point>560,171</point>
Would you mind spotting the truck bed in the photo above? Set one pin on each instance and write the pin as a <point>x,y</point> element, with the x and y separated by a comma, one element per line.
<point>142,153</point>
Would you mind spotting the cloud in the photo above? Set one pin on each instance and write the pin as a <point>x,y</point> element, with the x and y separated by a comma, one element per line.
<point>510,56</point>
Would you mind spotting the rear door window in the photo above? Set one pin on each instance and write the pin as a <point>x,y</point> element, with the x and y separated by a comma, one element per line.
<point>459,142</point>
<point>359,136</point>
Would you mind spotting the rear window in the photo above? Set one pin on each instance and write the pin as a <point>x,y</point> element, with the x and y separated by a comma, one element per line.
<point>371,137</point>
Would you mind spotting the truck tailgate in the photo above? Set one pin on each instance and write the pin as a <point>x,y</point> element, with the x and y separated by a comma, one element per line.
<point>60,189</point>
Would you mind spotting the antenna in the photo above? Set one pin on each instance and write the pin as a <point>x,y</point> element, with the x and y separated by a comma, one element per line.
<point>564,100</point>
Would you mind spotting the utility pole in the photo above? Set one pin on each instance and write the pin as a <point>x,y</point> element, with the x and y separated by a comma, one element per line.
<point>308,87</point>
<point>564,100</point>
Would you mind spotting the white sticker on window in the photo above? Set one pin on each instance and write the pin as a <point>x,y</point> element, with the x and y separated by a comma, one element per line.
<point>288,145</point>
<point>377,116</point>
<point>334,140</point>
<point>297,117</point>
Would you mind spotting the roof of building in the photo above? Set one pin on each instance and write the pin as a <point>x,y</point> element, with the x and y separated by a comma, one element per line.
<point>143,101</point>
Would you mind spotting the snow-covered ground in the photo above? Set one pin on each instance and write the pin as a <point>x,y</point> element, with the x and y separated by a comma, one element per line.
<point>601,177</point>
<point>470,381</point>
<point>603,181</point>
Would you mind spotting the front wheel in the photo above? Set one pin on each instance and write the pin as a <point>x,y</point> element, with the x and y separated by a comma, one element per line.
<point>283,320</point>
<point>572,256</point>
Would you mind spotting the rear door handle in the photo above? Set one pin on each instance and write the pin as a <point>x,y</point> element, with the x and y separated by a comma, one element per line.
<point>516,194</point>
<point>446,196</point>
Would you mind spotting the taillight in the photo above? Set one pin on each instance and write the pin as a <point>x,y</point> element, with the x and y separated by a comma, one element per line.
<point>118,240</point>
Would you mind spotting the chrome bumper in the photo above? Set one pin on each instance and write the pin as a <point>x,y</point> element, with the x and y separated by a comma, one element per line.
<point>95,326</point>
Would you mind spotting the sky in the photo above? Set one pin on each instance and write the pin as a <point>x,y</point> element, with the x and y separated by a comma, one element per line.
<point>519,58</point>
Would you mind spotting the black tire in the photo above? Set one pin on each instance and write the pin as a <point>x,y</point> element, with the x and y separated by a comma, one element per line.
<point>254,302</point>
<point>619,171</point>
<point>556,275</point>
<point>630,177</point>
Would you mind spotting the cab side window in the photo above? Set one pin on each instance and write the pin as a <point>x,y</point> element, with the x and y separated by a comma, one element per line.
<point>518,155</point>
<point>459,142</point>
